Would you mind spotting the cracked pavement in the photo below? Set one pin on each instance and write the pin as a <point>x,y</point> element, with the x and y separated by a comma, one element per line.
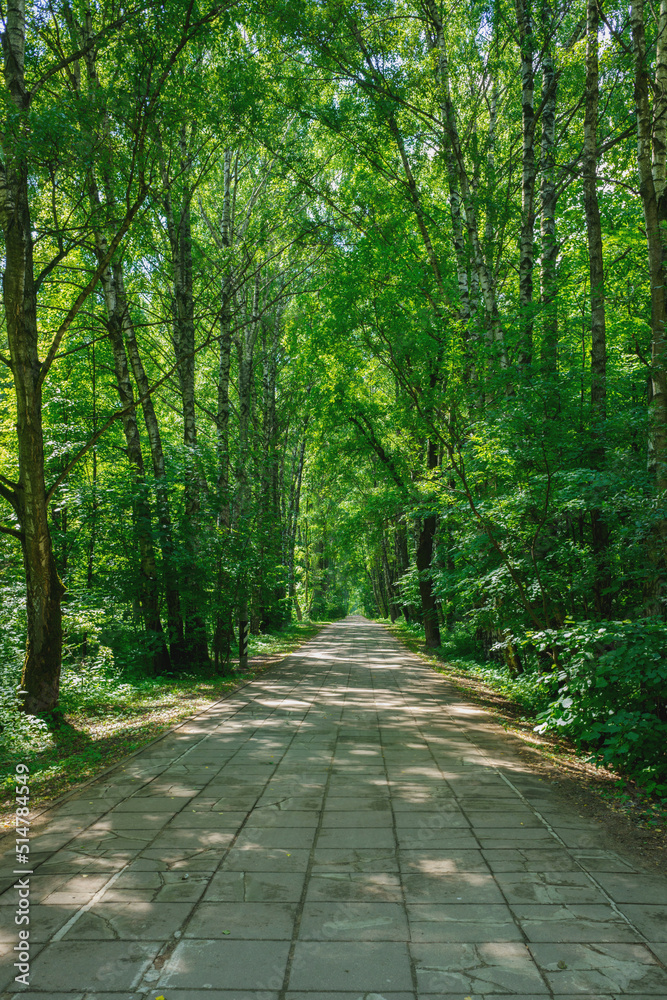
<point>345,827</point>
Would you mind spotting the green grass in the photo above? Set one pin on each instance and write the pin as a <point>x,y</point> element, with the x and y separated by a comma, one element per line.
<point>103,717</point>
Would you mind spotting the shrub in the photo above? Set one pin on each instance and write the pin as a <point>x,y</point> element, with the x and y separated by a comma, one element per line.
<point>612,694</point>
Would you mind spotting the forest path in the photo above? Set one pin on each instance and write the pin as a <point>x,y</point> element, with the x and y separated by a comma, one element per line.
<point>343,827</point>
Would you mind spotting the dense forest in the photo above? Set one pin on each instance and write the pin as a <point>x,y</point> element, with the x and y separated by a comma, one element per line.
<point>312,307</point>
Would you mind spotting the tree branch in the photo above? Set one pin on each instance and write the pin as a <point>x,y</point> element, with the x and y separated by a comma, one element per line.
<point>8,494</point>
<point>90,287</point>
<point>14,532</point>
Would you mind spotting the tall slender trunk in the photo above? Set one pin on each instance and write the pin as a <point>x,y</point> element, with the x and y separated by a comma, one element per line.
<point>651,146</point>
<point>293,519</point>
<point>224,366</point>
<point>270,590</point>
<point>491,179</point>
<point>594,228</point>
<point>402,560</point>
<point>142,515</point>
<point>118,319</point>
<point>425,549</point>
<point>224,629</point>
<point>394,611</point>
<point>179,227</point>
<point>483,278</point>
<point>246,351</point>
<point>526,239</point>
<point>599,529</point>
<point>172,599</point>
<point>41,669</point>
<point>455,200</point>
<point>90,561</point>
<point>549,248</point>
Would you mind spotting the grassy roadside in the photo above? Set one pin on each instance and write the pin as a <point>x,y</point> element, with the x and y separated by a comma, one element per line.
<point>647,814</point>
<point>106,719</point>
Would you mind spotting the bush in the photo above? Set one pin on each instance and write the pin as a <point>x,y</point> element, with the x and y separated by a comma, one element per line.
<point>612,694</point>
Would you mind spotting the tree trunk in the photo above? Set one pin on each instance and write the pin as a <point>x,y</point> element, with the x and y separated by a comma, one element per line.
<point>223,635</point>
<point>651,164</point>
<point>293,520</point>
<point>549,249</point>
<point>526,239</point>
<point>41,669</point>
<point>149,599</point>
<point>269,504</point>
<point>455,200</point>
<point>179,227</point>
<point>246,351</point>
<point>118,319</point>
<point>172,599</point>
<point>90,562</point>
<point>224,366</point>
<point>599,530</point>
<point>425,547</point>
<point>594,229</point>
<point>148,588</point>
<point>484,278</point>
<point>394,610</point>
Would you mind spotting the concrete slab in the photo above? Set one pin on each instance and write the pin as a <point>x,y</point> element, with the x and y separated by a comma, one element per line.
<point>549,887</point>
<point>207,994</point>
<point>332,859</point>
<point>362,967</point>
<point>365,818</point>
<point>356,837</point>
<point>261,921</point>
<point>142,921</point>
<point>476,968</point>
<point>634,888</point>
<point>210,820</point>
<point>317,995</point>
<point>225,964</point>
<point>649,919</point>
<point>463,922</point>
<point>593,923</point>
<point>266,818</point>
<point>353,921</point>
<point>445,887</point>
<point>74,965</point>
<point>270,860</point>
<point>288,837</point>
<point>619,969</point>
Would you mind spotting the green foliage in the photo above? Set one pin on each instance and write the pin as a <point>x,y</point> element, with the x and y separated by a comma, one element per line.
<point>611,697</point>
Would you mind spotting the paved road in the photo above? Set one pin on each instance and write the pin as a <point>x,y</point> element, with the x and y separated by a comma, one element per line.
<point>342,828</point>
